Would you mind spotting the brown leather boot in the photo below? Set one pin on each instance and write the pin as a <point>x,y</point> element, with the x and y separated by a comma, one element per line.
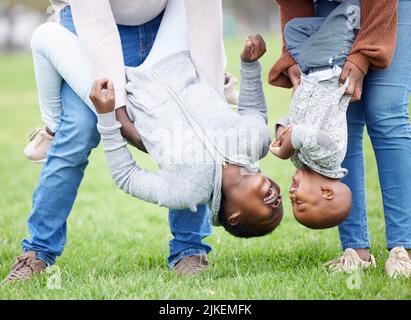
<point>192,265</point>
<point>25,267</point>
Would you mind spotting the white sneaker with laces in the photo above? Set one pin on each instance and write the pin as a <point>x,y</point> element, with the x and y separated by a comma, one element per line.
<point>39,145</point>
<point>350,262</point>
<point>398,263</point>
<point>230,91</point>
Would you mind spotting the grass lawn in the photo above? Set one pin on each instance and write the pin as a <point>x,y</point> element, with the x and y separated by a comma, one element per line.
<point>117,246</point>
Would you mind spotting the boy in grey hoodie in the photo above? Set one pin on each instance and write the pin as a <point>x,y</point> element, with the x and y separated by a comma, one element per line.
<point>206,151</point>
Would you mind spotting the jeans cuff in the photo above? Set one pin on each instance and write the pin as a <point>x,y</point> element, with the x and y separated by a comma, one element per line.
<point>392,245</point>
<point>41,256</point>
<point>356,245</point>
<point>187,253</point>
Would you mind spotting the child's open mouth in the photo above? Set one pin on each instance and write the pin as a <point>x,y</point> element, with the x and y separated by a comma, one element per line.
<point>271,196</point>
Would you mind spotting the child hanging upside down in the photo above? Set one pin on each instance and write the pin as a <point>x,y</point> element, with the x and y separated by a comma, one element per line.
<point>314,135</point>
<point>206,151</point>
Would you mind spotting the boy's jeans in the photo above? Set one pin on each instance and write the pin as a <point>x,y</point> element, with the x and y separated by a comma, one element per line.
<point>63,172</point>
<point>323,42</point>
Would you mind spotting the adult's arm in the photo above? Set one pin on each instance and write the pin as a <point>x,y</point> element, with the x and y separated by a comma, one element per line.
<point>97,30</point>
<point>374,45</point>
<point>289,9</point>
<point>376,41</point>
<point>205,37</point>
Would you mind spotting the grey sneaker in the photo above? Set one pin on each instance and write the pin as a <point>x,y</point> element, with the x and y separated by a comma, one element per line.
<point>25,267</point>
<point>191,266</point>
<point>398,263</point>
<point>350,262</point>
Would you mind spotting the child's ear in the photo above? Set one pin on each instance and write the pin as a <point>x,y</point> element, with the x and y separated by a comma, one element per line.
<point>327,193</point>
<point>234,218</point>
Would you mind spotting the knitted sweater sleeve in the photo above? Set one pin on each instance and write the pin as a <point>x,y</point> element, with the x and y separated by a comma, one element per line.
<point>99,35</point>
<point>165,187</point>
<point>374,45</point>
<point>289,9</point>
<point>376,40</point>
<point>205,38</point>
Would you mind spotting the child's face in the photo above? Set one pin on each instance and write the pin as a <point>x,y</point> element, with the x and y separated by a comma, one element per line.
<point>257,202</point>
<point>319,202</point>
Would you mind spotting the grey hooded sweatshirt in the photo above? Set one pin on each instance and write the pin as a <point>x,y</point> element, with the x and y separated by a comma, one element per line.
<point>189,131</point>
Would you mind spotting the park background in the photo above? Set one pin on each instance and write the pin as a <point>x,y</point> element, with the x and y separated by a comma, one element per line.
<point>117,246</point>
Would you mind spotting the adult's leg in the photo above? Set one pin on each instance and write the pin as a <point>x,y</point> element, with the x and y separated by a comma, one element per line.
<point>188,229</point>
<point>62,173</point>
<point>60,177</point>
<point>77,136</point>
<point>174,18</point>
<point>354,230</point>
<point>386,100</point>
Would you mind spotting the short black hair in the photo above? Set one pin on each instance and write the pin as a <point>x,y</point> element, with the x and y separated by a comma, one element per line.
<point>240,230</point>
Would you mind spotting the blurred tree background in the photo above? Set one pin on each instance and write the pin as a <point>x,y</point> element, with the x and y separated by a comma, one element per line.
<point>18,19</point>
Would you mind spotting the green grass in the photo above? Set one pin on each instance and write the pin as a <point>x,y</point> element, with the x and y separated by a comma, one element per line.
<point>117,246</point>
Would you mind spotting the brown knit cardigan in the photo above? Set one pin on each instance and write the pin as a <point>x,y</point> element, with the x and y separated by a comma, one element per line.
<point>373,47</point>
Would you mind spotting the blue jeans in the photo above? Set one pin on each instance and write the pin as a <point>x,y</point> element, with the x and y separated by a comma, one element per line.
<point>323,42</point>
<point>384,111</point>
<point>67,160</point>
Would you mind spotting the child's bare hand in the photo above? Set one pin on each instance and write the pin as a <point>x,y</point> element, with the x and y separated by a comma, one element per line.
<point>282,147</point>
<point>254,49</point>
<point>279,131</point>
<point>102,96</point>
<point>294,74</point>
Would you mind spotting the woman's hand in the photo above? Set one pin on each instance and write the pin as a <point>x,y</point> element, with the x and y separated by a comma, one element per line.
<point>294,74</point>
<point>356,80</point>
<point>102,96</point>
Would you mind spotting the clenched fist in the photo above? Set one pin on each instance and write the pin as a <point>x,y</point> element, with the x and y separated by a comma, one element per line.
<point>254,49</point>
<point>102,96</point>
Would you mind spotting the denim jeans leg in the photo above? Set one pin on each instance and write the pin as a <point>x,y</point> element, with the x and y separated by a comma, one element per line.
<point>386,97</point>
<point>334,38</point>
<point>60,177</point>
<point>188,230</point>
<point>354,230</point>
<point>62,173</point>
<point>296,32</point>
<point>324,7</point>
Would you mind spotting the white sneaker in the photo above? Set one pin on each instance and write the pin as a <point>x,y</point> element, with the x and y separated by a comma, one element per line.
<point>398,263</point>
<point>230,91</point>
<point>350,262</point>
<point>39,145</point>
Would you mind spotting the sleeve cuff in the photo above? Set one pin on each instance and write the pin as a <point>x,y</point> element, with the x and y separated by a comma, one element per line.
<point>254,66</point>
<point>107,120</point>
<point>360,60</point>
